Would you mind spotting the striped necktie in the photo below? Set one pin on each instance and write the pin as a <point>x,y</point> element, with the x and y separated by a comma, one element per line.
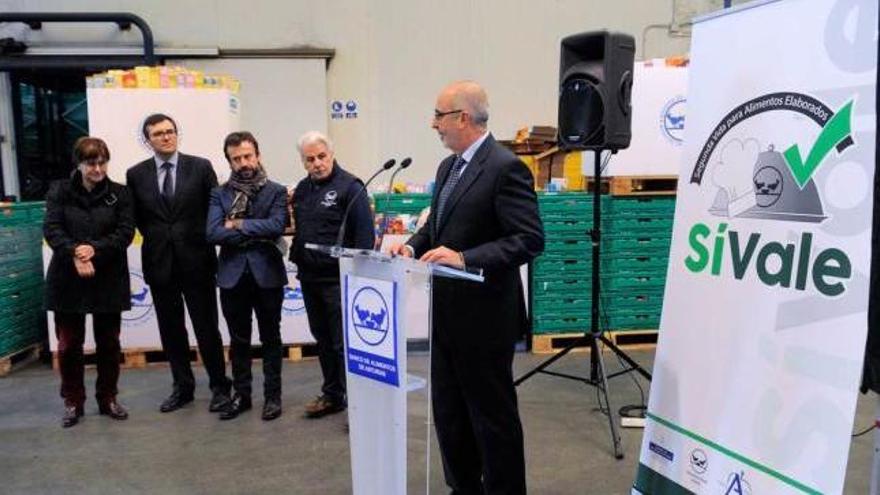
<point>449,186</point>
<point>167,184</point>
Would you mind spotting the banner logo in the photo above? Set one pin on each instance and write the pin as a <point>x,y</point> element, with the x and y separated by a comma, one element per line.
<point>752,181</point>
<point>672,120</point>
<point>737,485</point>
<point>141,301</point>
<point>760,182</point>
<point>661,451</point>
<point>699,461</point>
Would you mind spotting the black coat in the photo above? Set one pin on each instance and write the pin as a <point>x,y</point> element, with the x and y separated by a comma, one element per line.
<point>492,218</point>
<point>174,236</point>
<point>102,218</point>
<point>318,207</point>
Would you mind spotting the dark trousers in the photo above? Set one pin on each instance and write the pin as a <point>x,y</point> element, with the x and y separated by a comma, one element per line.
<point>70,328</point>
<point>201,302</point>
<point>239,303</point>
<point>324,309</point>
<point>476,416</point>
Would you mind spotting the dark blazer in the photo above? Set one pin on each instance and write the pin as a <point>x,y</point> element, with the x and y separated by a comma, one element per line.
<point>492,218</point>
<point>174,236</point>
<point>102,218</point>
<point>253,246</point>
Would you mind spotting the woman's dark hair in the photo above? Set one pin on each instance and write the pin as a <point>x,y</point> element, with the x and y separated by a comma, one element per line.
<point>89,148</point>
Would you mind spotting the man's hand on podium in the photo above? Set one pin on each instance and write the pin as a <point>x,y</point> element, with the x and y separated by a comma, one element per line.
<point>400,249</point>
<point>444,256</point>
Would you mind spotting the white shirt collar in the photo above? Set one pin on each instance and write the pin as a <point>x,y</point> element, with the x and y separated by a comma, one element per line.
<point>172,161</point>
<point>472,149</point>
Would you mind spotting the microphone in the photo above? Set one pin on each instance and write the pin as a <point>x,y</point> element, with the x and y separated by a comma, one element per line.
<point>403,164</point>
<point>385,166</point>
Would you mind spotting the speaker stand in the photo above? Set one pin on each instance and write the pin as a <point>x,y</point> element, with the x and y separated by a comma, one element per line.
<point>598,376</point>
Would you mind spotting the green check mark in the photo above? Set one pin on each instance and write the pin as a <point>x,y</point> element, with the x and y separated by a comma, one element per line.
<point>836,130</point>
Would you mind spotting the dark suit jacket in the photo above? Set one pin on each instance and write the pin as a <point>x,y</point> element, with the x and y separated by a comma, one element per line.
<point>253,246</point>
<point>174,236</point>
<point>492,218</point>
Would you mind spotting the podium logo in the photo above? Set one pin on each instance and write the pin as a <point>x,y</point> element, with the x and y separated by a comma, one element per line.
<point>754,180</point>
<point>370,316</point>
<point>141,301</point>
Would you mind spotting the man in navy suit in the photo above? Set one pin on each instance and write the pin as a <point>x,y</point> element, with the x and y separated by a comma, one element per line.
<point>170,192</point>
<point>484,214</point>
<point>246,218</point>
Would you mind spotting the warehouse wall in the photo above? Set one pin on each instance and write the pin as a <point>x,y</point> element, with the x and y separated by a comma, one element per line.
<point>392,56</point>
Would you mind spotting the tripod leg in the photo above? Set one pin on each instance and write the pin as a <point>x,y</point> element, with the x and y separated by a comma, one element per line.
<point>615,433</point>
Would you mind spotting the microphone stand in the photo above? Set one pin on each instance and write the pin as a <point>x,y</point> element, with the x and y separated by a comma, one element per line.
<point>403,164</point>
<point>339,238</point>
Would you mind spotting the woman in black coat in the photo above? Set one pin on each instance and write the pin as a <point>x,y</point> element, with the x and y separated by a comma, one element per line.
<point>89,224</point>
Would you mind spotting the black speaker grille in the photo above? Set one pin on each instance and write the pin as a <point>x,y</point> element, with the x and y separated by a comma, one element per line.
<point>581,112</point>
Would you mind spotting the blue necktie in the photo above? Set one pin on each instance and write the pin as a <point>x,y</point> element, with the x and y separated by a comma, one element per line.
<point>167,184</point>
<point>449,186</point>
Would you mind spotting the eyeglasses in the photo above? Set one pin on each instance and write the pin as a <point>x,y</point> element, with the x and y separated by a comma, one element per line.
<point>439,115</point>
<point>166,132</point>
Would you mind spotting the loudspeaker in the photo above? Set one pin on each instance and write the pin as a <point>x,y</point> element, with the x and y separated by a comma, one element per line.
<point>595,91</point>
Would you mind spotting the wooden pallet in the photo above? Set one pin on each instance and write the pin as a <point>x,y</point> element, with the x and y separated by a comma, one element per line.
<point>143,357</point>
<point>629,339</point>
<point>644,185</point>
<point>19,358</point>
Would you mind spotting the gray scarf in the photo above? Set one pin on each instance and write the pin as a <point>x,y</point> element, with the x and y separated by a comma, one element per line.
<point>245,189</point>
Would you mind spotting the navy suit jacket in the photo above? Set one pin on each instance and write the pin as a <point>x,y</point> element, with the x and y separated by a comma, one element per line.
<point>174,235</point>
<point>253,245</point>
<point>492,218</point>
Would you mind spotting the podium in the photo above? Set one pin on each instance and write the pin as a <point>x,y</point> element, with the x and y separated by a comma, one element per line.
<point>376,291</point>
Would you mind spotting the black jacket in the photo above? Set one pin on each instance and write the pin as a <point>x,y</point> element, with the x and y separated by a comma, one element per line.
<point>318,207</point>
<point>102,218</point>
<point>492,218</point>
<point>174,237</point>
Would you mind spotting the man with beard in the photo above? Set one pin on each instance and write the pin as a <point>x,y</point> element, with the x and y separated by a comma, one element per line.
<point>246,218</point>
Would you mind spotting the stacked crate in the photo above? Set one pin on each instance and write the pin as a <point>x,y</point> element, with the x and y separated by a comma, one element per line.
<point>22,319</point>
<point>401,203</point>
<point>560,288</point>
<point>635,255</point>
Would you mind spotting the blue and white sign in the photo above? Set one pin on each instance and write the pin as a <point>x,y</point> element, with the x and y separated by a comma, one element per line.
<point>371,329</point>
<point>141,310</point>
<point>336,110</point>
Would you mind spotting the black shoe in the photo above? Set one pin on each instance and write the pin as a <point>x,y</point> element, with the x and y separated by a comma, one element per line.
<point>114,410</point>
<point>237,405</point>
<point>175,401</point>
<point>71,416</point>
<point>219,402</point>
<point>271,409</point>
<point>324,405</point>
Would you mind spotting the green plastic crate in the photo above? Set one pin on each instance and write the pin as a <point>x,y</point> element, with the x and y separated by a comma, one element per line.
<point>643,205</point>
<point>409,203</point>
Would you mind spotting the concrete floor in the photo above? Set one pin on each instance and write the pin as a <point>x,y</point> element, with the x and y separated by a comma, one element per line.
<point>567,441</point>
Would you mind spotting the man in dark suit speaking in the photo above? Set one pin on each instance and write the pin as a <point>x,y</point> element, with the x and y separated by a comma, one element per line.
<point>171,192</point>
<point>484,214</point>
